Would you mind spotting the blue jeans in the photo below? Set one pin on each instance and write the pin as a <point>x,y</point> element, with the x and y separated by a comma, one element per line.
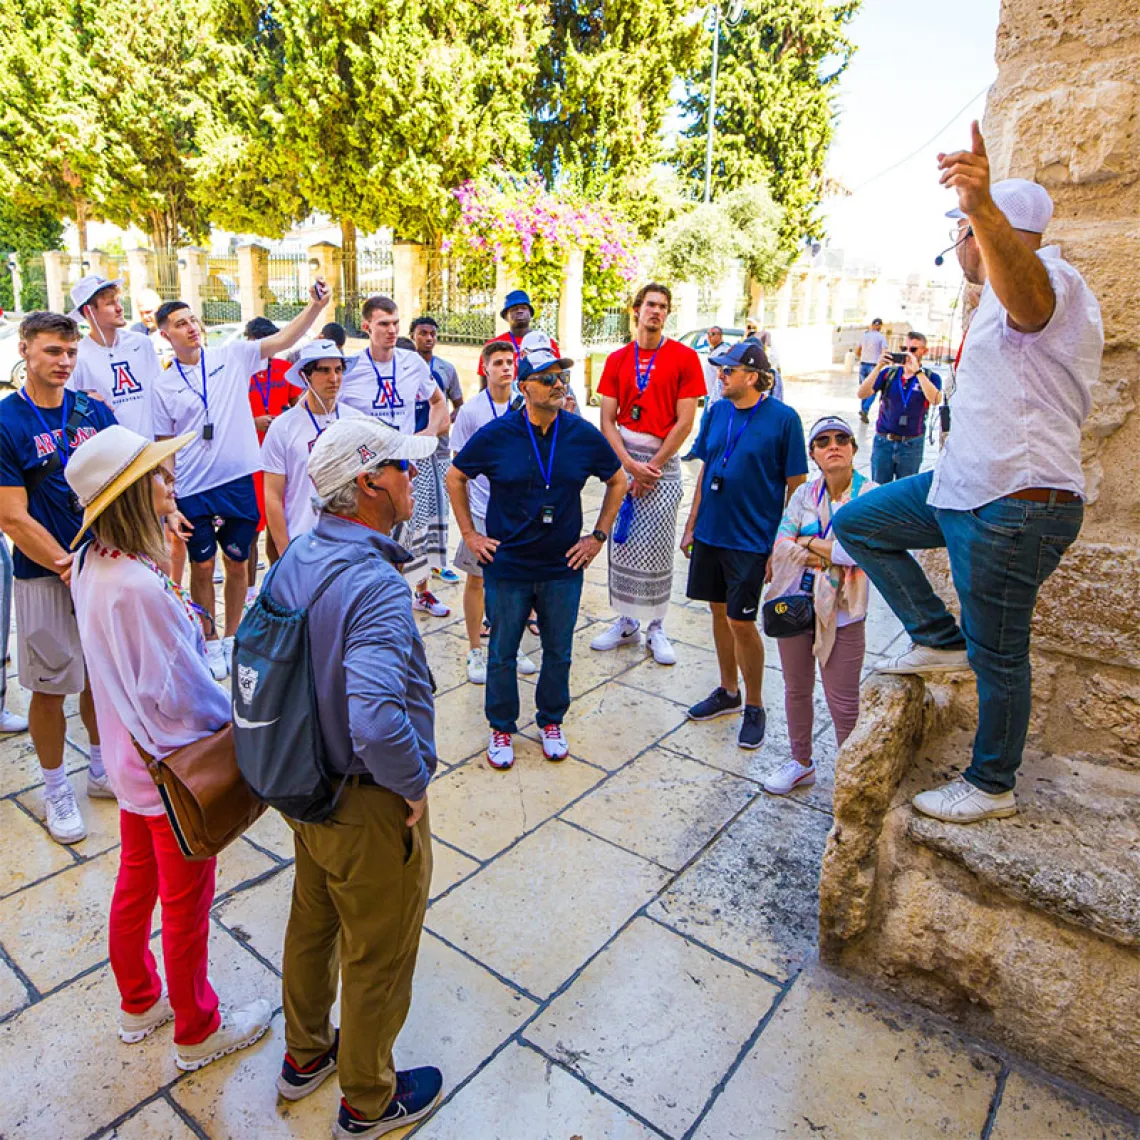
<point>891,459</point>
<point>555,603</point>
<point>865,370</point>
<point>1000,554</point>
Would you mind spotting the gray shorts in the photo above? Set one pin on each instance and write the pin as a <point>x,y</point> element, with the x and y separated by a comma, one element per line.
<point>466,561</point>
<point>47,637</point>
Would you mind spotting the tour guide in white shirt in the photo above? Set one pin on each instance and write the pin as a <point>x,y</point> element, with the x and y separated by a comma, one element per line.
<point>206,391</point>
<point>1006,497</point>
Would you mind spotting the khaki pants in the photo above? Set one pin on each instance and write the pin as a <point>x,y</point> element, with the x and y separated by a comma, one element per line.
<point>359,897</point>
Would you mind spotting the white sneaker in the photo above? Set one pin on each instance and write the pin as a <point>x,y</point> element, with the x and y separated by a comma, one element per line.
<point>921,660</point>
<point>622,632</point>
<point>135,1027</point>
<point>12,722</point>
<point>239,1027</point>
<point>63,819</point>
<point>554,743</point>
<point>500,751</point>
<point>477,666</point>
<point>428,603</point>
<point>219,574</point>
<point>525,665</point>
<point>216,659</point>
<point>99,787</point>
<point>228,653</point>
<point>960,802</point>
<point>660,646</point>
<point>789,775</point>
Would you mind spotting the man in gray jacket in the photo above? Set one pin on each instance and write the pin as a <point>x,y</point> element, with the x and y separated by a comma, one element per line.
<point>362,877</point>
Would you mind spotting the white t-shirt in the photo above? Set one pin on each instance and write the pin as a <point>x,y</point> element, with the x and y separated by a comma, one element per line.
<point>179,407</point>
<point>388,392</point>
<point>285,451</point>
<point>125,375</point>
<point>871,347</point>
<point>472,416</point>
<point>1020,398</point>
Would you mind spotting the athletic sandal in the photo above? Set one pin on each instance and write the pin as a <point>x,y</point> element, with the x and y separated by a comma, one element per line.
<point>445,574</point>
<point>296,1081</point>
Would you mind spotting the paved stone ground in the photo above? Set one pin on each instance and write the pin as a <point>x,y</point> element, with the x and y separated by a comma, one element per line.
<point>619,946</point>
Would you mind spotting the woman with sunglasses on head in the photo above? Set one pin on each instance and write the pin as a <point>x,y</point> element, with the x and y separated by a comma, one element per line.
<point>807,559</point>
<point>146,652</point>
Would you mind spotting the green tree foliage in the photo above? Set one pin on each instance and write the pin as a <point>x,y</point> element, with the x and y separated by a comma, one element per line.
<point>603,90</point>
<point>26,233</point>
<point>779,68</point>
<point>369,113</point>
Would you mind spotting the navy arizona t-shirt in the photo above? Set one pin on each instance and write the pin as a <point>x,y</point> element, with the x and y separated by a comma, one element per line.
<point>26,445</point>
<point>502,450</point>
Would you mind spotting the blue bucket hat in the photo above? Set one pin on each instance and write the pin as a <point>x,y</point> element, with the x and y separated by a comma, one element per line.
<point>517,297</point>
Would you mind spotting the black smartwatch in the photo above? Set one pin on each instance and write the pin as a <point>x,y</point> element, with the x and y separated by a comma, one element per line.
<point>599,536</point>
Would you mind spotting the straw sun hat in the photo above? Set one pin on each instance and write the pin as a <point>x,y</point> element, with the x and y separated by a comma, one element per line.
<point>105,465</point>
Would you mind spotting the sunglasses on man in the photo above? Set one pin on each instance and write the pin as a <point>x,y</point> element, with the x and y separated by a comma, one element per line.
<point>841,439</point>
<point>551,378</point>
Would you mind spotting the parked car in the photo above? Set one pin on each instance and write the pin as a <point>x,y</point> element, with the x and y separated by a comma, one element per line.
<point>11,363</point>
<point>698,339</point>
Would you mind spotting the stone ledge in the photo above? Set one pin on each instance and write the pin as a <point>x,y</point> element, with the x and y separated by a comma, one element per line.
<point>1074,851</point>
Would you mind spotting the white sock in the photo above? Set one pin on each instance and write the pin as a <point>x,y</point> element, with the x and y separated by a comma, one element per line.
<point>97,769</point>
<point>628,623</point>
<point>655,624</point>
<point>54,779</point>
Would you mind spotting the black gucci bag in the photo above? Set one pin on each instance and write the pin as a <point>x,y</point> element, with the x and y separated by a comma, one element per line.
<point>789,616</point>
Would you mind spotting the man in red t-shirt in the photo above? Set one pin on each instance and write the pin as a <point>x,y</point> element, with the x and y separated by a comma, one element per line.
<point>269,395</point>
<point>649,391</point>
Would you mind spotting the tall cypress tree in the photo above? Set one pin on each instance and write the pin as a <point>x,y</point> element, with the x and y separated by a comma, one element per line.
<point>779,68</point>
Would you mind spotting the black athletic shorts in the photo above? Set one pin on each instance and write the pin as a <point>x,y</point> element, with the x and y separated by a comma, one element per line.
<point>735,577</point>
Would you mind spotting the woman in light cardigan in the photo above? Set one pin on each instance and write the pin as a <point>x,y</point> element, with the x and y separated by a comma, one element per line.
<point>839,590</point>
<point>146,656</point>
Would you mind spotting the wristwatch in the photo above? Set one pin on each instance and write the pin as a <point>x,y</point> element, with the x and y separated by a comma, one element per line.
<point>599,536</point>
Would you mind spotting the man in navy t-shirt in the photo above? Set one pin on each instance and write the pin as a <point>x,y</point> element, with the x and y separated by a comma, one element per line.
<point>536,460</point>
<point>40,426</point>
<point>753,451</point>
<point>907,391</point>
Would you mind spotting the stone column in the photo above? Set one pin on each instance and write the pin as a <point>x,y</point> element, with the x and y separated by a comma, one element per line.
<point>192,272</point>
<point>253,280</point>
<point>409,279</point>
<point>138,273</point>
<point>324,261</point>
<point>53,276</point>
<point>727,293</point>
<point>570,314</point>
<point>95,261</point>
<point>687,302</point>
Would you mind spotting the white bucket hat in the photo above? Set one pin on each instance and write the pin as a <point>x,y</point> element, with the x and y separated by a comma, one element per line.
<point>86,288</point>
<point>348,448</point>
<point>314,350</point>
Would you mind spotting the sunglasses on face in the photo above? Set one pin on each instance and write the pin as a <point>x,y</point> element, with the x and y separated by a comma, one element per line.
<point>399,464</point>
<point>550,378</point>
<point>825,440</point>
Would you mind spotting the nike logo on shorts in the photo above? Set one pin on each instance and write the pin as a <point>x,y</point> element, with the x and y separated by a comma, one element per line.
<point>241,722</point>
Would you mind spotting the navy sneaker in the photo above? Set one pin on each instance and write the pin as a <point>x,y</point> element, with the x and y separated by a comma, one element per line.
<point>752,727</point>
<point>717,703</point>
<point>297,1081</point>
<point>417,1093</point>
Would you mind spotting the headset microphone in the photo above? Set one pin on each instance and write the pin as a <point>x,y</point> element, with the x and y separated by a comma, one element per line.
<point>941,258</point>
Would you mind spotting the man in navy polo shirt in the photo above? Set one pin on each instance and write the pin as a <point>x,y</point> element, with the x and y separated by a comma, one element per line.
<point>908,390</point>
<point>753,451</point>
<point>536,461</point>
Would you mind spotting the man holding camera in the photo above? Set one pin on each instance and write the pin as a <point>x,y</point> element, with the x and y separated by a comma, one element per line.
<point>908,390</point>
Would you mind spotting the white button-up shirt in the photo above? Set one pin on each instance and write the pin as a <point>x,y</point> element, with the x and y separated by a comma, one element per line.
<point>1020,398</point>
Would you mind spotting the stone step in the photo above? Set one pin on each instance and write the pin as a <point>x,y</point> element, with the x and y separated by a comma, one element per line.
<point>1073,850</point>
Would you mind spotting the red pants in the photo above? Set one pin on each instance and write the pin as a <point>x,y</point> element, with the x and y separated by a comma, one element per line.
<point>151,867</point>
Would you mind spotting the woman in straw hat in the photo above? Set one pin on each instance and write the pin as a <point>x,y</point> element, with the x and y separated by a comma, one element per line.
<point>143,641</point>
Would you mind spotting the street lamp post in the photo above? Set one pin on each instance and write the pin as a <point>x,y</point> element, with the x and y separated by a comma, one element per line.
<point>731,17</point>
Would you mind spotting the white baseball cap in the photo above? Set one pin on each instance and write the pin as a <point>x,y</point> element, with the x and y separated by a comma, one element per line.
<point>1026,205</point>
<point>86,288</point>
<point>537,353</point>
<point>314,350</point>
<point>348,448</point>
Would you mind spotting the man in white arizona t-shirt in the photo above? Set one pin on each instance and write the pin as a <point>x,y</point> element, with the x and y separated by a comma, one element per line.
<point>206,391</point>
<point>319,368</point>
<point>120,367</point>
<point>385,382</point>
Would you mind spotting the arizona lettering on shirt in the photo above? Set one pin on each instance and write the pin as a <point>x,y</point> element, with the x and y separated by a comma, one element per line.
<point>45,441</point>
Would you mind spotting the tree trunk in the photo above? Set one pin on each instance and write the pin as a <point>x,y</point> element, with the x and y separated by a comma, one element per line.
<point>348,271</point>
<point>81,224</point>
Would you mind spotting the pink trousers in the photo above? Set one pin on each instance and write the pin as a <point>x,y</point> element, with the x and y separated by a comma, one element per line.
<point>151,867</point>
<point>840,685</point>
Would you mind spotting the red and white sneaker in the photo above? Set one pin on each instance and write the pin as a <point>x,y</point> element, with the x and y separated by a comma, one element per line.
<point>501,750</point>
<point>428,603</point>
<point>554,743</point>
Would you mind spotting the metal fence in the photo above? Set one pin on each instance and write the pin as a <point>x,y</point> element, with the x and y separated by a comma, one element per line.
<point>117,267</point>
<point>287,291</point>
<point>372,273</point>
<point>221,294</point>
<point>611,328</point>
<point>460,295</point>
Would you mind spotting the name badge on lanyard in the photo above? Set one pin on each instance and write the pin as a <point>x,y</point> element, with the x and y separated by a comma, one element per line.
<point>204,395</point>
<point>641,377</point>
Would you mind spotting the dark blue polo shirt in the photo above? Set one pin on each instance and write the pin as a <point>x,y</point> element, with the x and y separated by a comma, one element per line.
<point>767,449</point>
<point>26,442</point>
<point>503,451</point>
<point>901,398</point>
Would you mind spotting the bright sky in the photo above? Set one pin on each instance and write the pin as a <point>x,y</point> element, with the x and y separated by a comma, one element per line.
<point>917,67</point>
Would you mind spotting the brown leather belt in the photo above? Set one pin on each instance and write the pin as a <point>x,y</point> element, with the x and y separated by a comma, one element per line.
<point>899,438</point>
<point>1045,495</point>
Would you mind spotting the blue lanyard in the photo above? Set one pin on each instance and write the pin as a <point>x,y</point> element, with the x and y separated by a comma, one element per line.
<point>381,379</point>
<point>494,413</point>
<point>643,378</point>
<point>264,394</point>
<point>204,395</point>
<point>830,514</point>
<point>516,345</point>
<point>905,393</point>
<point>320,430</point>
<point>61,451</point>
<point>547,473</point>
<point>731,441</point>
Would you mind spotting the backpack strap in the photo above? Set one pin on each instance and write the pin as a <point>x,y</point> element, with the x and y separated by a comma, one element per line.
<point>33,478</point>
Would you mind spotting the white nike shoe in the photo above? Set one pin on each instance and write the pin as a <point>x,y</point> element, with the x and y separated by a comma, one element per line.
<point>622,632</point>
<point>216,659</point>
<point>554,743</point>
<point>960,802</point>
<point>660,646</point>
<point>920,660</point>
<point>62,816</point>
<point>99,787</point>
<point>525,665</point>
<point>228,652</point>
<point>477,666</point>
<point>12,722</point>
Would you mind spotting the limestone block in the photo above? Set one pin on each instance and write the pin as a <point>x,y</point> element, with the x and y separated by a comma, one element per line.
<point>1107,253</point>
<point>868,767</point>
<point>1036,28</point>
